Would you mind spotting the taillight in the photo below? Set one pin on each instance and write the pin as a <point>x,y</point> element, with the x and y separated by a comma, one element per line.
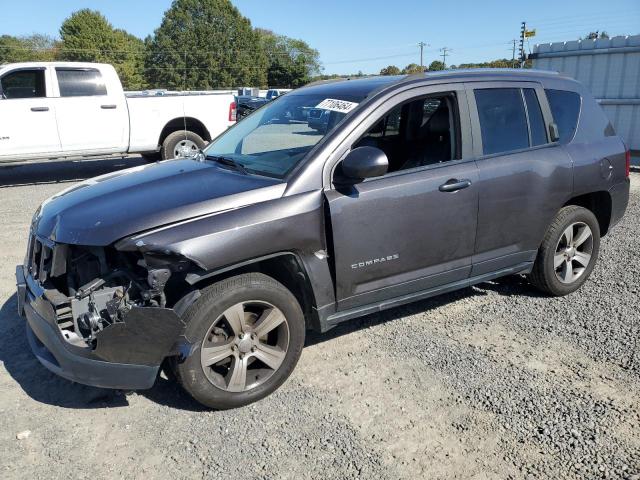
<point>627,167</point>
<point>232,112</point>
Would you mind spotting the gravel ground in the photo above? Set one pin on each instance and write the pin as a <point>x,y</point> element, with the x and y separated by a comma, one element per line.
<point>493,381</point>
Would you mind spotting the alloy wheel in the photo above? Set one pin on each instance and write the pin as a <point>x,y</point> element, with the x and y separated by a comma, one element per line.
<point>573,252</point>
<point>185,149</point>
<point>245,346</point>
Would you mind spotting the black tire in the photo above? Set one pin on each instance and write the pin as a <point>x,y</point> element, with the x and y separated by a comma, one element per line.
<point>171,142</point>
<point>543,276</point>
<point>199,318</point>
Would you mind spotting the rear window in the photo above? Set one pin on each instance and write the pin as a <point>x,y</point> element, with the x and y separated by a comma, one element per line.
<point>503,121</point>
<point>80,83</point>
<point>565,107</point>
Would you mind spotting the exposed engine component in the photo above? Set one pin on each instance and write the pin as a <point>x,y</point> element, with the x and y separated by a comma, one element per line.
<point>97,310</point>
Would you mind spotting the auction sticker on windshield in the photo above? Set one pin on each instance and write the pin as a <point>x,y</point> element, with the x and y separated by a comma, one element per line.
<point>334,105</point>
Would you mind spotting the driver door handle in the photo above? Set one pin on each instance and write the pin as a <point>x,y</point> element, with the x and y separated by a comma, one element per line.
<point>39,109</point>
<point>454,185</point>
<point>108,107</point>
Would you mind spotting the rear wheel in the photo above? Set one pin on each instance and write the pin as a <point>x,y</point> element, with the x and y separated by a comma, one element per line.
<point>249,331</point>
<point>568,252</point>
<point>181,144</point>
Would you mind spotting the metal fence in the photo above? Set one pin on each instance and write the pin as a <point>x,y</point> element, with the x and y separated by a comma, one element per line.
<point>610,68</point>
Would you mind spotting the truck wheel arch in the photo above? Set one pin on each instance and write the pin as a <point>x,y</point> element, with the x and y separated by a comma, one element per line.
<point>189,123</point>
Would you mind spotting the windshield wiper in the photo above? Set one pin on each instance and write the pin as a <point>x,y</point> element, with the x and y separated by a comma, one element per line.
<point>229,162</point>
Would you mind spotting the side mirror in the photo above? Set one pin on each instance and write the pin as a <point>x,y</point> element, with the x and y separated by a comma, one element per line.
<point>554,133</point>
<point>365,162</point>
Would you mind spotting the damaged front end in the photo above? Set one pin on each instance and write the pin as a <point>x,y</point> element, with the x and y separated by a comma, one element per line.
<point>103,305</point>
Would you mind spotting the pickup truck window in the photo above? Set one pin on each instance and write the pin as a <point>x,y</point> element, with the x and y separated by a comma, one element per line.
<point>80,82</point>
<point>565,108</point>
<point>275,138</point>
<point>418,133</point>
<point>503,121</point>
<point>24,84</point>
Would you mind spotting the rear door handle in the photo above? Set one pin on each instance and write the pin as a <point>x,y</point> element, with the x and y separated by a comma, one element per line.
<point>108,107</point>
<point>454,185</point>
<point>39,109</point>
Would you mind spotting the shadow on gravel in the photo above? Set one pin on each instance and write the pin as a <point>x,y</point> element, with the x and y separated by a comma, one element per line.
<point>46,387</point>
<point>38,382</point>
<point>12,175</point>
<point>513,285</point>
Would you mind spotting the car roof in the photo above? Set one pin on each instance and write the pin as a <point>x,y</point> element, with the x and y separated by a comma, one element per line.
<point>364,87</point>
<point>21,65</point>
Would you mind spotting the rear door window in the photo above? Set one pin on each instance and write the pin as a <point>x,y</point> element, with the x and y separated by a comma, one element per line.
<point>536,121</point>
<point>24,84</point>
<point>565,108</point>
<point>503,121</point>
<point>80,82</point>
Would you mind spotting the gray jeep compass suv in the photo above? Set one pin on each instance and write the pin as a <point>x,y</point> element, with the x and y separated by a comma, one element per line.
<point>216,266</point>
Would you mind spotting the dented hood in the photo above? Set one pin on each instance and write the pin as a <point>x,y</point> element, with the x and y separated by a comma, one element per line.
<point>104,209</point>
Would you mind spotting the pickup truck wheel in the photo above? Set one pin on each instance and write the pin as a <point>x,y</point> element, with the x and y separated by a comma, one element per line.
<point>248,333</point>
<point>568,252</point>
<point>181,144</point>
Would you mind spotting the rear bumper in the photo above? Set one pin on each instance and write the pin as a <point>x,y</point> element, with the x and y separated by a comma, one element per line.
<point>82,364</point>
<point>619,200</point>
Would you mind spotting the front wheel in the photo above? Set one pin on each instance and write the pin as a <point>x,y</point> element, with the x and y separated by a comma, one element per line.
<point>181,144</point>
<point>249,332</point>
<point>568,252</point>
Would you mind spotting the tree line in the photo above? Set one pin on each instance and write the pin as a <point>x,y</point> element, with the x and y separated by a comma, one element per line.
<point>200,45</point>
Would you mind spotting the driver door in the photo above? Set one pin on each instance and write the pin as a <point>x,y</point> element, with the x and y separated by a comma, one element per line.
<point>28,125</point>
<point>403,233</point>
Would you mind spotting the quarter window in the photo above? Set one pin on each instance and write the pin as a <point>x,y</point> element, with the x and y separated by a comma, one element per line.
<point>503,121</point>
<point>80,83</point>
<point>24,84</point>
<point>536,122</point>
<point>565,107</point>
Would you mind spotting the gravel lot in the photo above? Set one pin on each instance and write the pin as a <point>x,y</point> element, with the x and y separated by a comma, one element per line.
<point>493,381</point>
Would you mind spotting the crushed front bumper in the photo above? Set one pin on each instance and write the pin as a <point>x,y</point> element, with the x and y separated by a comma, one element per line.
<point>128,355</point>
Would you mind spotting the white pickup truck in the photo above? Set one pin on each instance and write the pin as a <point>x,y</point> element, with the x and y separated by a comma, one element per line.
<point>68,109</point>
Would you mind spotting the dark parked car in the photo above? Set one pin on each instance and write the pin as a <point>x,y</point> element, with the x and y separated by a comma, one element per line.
<point>246,105</point>
<point>217,266</point>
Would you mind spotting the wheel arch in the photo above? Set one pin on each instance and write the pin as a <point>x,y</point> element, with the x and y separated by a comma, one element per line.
<point>599,203</point>
<point>288,268</point>
<point>184,123</point>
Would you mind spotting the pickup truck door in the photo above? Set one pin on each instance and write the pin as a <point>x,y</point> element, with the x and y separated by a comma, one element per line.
<point>91,111</point>
<point>524,177</point>
<point>404,233</point>
<point>27,114</point>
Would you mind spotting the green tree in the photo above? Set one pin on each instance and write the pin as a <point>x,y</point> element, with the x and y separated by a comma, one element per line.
<point>87,36</point>
<point>34,48</point>
<point>390,70</point>
<point>205,44</point>
<point>291,62</point>
<point>412,68</point>
<point>436,65</point>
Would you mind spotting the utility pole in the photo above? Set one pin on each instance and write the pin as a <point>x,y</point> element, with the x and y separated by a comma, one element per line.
<point>445,52</point>
<point>523,56</point>
<point>422,45</point>
<point>513,56</point>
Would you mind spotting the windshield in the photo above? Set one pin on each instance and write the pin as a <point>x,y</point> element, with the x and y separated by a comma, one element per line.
<point>275,138</point>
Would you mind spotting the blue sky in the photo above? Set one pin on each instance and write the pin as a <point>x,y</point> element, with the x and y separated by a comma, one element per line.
<point>354,35</point>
